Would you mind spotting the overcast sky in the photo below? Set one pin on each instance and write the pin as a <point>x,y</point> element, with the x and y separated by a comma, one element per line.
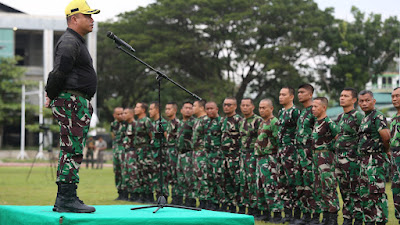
<point>109,9</point>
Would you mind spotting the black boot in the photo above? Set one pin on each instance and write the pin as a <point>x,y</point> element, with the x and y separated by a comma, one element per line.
<point>119,195</point>
<point>242,209</point>
<point>174,200</point>
<point>277,218</point>
<point>297,217</point>
<point>232,209</point>
<point>325,217</point>
<point>133,197</point>
<point>306,218</point>
<point>370,223</point>
<point>192,202</point>
<point>348,221</point>
<point>223,208</point>
<point>332,220</point>
<point>380,223</point>
<point>358,221</point>
<point>202,204</point>
<point>125,196</point>
<point>150,197</point>
<point>266,217</point>
<point>251,211</point>
<point>69,202</point>
<point>315,219</point>
<point>288,215</point>
<point>57,198</point>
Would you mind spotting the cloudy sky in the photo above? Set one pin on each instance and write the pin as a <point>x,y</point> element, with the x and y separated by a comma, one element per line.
<point>109,9</point>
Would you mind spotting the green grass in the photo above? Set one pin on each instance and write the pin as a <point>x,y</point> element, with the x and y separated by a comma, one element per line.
<point>96,188</point>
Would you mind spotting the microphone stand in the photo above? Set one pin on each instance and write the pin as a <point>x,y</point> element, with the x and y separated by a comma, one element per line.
<point>161,201</point>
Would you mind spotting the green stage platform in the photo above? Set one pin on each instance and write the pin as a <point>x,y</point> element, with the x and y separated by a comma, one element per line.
<point>118,214</point>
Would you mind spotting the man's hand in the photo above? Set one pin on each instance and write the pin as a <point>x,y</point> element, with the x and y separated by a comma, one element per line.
<point>47,102</point>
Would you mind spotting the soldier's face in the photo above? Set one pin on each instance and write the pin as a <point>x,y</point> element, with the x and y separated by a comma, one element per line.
<point>117,112</point>
<point>128,114</point>
<point>187,110</point>
<point>265,109</point>
<point>212,110</point>
<point>196,108</point>
<point>366,102</point>
<point>138,109</point>
<point>229,107</point>
<point>153,111</point>
<point>318,108</point>
<point>170,111</point>
<point>120,115</point>
<point>246,107</point>
<point>346,99</point>
<point>303,95</point>
<point>396,98</point>
<point>285,97</point>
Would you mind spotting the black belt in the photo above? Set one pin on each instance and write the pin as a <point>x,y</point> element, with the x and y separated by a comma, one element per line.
<point>78,93</point>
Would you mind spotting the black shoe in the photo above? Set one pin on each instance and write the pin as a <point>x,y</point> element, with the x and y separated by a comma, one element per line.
<point>242,210</point>
<point>348,221</point>
<point>370,223</point>
<point>332,219</point>
<point>315,219</point>
<point>125,196</point>
<point>211,206</point>
<point>277,218</point>
<point>57,198</point>
<point>358,221</point>
<point>190,202</point>
<point>69,202</point>
<point>297,217</point>
<point>119,195</point>
<point>232,209</point>
<point>223,208</point>
<point>202,204</point>
<point>251,211</point>
<point>288,215</point>
<point>133,197</point>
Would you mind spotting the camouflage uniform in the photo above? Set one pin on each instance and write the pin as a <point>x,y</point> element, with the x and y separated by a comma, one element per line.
<point>156,159</point>
<point>130,175</point>
<point>230,145</point>
<point>73,114</point>
<point>266,148</point>
<point>119,156</point>
<point>304,174</point>
<point>325,183</point>
<point>142,146</point>
<point>347,165</point>
<point>200,158</point>
<point>248,135</point>
<point>185,173</point>
<point>374,162</point>
<point>212,145</point>
<point>172,154</point>
<point>287,155</point>
<point>395,149</point>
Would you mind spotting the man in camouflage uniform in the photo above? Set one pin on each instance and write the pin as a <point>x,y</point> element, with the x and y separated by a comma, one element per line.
<point>185,173</point>
<point>303,166</point>
<point>373,146</point>
<point>141,141</point>
<point>70,86</point>
<point>212,145</point>
<point>230,146</point>
<point>248,129</point>
<point>323,135</point>
<point>200,155</point>
<point>266,148</point>
<point>158,147</point>
<point>172,155</point>
<point>287,154</point>
<point>128,173</point>
<point>347,165</point>
<point>395,151</point>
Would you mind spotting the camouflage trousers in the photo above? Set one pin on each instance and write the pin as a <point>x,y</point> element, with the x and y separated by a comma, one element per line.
<point>130,174</point>
<point>155,177</point>
<point>216,176</point>
<point>396,181</point>
<point>172,166</point>
<point>231,170</point>
<point>287,185</point>
<point>374,202</point>
<point>201,183</point>
<point>145,164</point>
<point>119,166</point>
<point>267,184</point>
<point>347,172</point>
<point>305,179</point>
<point>325,182</point>
<point>185,175</point>
<point>248,183</point>
<point>73,114</point>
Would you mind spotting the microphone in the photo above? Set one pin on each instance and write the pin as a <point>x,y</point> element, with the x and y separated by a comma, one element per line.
<point>119,41</point>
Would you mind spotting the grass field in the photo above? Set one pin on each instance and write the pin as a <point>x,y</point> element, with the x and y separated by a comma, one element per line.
<point>96,188</point>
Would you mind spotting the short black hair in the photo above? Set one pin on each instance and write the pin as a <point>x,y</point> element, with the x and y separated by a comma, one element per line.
<point>364,92</point>
<point>187,102</point>
<point>174,105</point>
<point>144,106</point>
<point>156,104</point>
<point>202,103</point>
<point>352,90</point>
<point>308,87</point>
<point>291,90</point>
<point>251,100</point>
<point>323,100</point>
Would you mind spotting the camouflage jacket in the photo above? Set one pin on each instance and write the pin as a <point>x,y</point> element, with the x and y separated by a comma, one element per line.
<point>154,139</point>
<point>142,129</point>
<point>199,131</point>
<point>369,139</point>
<point>113,129</point>
<point>249,131</point>
<point>172,131</point>
<point>287,122</point>
<point>129,136</point>
<point>185,132</point>
<point>213,134</point>
<point>305,125</point>
<point>267,140</point>
<point>324,133</point>
<point>348,123</point>
<point>230,138</point>
<point>395,132</point>
<point>120,133</point>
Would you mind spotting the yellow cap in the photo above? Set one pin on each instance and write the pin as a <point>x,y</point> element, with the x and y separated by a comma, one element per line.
<point>79,6</point>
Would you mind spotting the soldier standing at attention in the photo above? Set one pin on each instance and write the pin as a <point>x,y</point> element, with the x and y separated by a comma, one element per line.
<point>266,149</point>
<point>141,141</point>
<point>347,165</point>
<point>212,145</point>
<point>248,135</point>
<point>287,154</point>
<point>395,150</point>
<point>373,146</point>
<point>200,155</point>
<point>155,157</point>
<point>185,174</point>
<point>303,166</point>
<point>324,133</point>
<point>172,155</point>
<point>130,154</point>
<point>230,146</point>
<point>70,86</point>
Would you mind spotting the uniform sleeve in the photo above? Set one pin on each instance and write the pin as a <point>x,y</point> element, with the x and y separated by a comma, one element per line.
<point>381,122</point>
<point>334,128</point>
